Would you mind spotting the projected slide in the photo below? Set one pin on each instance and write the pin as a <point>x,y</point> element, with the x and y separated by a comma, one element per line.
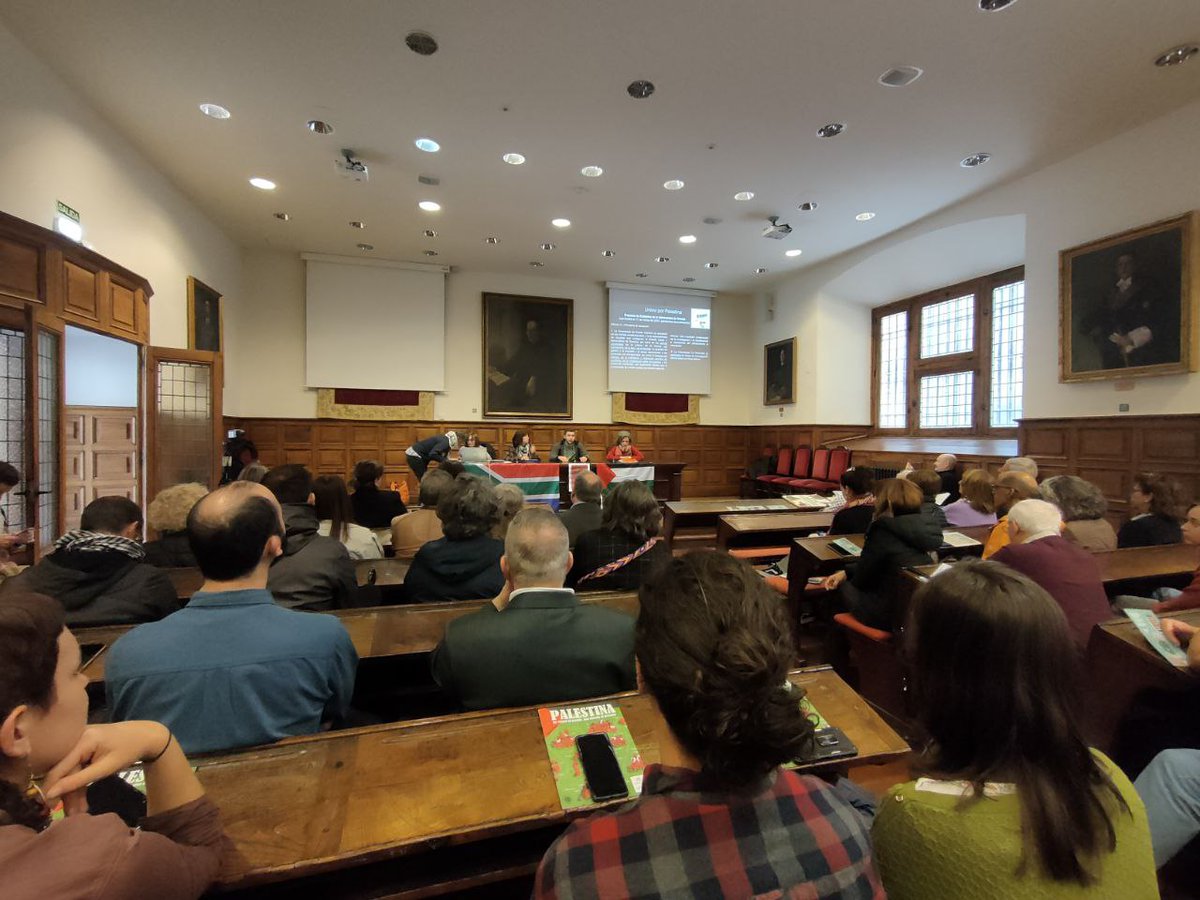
<point>658,343</point>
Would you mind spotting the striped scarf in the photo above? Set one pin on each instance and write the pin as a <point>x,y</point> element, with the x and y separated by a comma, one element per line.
<point>616,564</point>
<point>98,542</point>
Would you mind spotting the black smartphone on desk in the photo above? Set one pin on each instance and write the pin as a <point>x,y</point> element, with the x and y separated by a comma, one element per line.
<point>604,777</point>
<point>829,743</point>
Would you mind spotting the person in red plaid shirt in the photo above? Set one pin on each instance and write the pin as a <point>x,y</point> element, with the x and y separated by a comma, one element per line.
<point>718,817</point>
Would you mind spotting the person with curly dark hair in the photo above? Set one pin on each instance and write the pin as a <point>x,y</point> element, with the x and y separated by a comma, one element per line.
<point>463,564</point>
<point>1156,508</point>
<point>718,817</point>
<point>1083,508</point>
<point>374,508</point>
<point>49,752</point>
<point>625,550</point>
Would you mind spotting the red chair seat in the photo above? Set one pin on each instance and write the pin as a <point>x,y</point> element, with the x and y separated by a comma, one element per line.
<point>759,552</point>
<point>812,484</point>
<point>849,622</point>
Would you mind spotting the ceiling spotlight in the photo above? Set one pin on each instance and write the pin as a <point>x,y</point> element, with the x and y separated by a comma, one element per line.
<point>1172,57</point>
<point>214,111</point>
<point>429,232</point>
<point>792,252</point>
<point>641,275</point>
<point>282,216</point>
<point>760,271</point>
<point>687,239</point>
<point>995,5</point>
<point>263,184</point>
<point>491,239</point>
<point>711,265</point>
<point>536,264</point>
<point>430,252</point>
<point>358,224</point>
<point>900,76</point>
<point>711,220</point>
<point>429,205</point>
<point>365,247</point>
<point>640,90</point>
<point>807,206</point>
<point>514,159</point>
<point>547,245</point>
<point>744,195</point>
<point>865,216</point>
<point>608,254</point>
<point>673,185</point>
<point>833,129</point>
<point>591,171</point>
<point>429,145</point>
<point>689,279</point>
<point>662,259</point>
<point>422,43</point>
<point>316,126</point>
<point>561,223</point>
<point>975,159</point>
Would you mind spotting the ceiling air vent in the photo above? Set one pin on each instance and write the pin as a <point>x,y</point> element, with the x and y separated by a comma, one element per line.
<point>900,76</point>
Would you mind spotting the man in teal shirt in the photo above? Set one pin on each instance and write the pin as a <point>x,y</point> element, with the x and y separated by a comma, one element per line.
<point>569,449</point>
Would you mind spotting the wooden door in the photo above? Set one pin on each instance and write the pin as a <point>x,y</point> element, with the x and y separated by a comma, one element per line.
<point>184,424</point>
<point>103,455</point>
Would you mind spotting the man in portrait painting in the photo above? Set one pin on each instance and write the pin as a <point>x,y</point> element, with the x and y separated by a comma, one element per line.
<point>208,327</point>
<point>779,374</point>
<point>527,373</point>
<point>1132,323</point>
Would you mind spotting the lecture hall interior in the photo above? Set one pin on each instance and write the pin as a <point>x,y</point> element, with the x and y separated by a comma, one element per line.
<point>750,264</point>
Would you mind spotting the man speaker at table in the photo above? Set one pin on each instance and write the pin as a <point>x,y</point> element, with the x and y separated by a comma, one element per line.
<point>536,643</point>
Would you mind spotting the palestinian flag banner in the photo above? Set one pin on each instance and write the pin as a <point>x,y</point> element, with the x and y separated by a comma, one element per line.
<point>537,481</point>
<point>611,476</point>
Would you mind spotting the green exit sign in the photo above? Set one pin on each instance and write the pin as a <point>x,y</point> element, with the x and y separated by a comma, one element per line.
<point>64,210</point>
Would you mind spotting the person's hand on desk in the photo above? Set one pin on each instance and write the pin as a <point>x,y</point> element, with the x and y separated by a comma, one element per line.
<point>834,581</point>
<point>562,459</point>
<point>1181,634</point>
<point>583,459</point>
<point>17,539</point>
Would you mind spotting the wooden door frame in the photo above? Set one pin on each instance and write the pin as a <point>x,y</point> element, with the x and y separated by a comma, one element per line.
<point>155,355</point>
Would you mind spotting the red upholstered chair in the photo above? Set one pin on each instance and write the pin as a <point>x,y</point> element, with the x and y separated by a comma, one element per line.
<point>783,465</point>
<point>829,478</point>
<point>882,677</point>
<point>819,474</point>
<point>800,463</point>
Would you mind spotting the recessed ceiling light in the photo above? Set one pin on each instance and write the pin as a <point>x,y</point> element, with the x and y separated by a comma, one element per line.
<point>491,240</point>
<point>430,252</point>
<point>995,5</point>
<point>514,159</point>
<point>711,220</point>
<point>687,239</point>
<point>900,76</point>
<point>366,247</point>
<point>561,223</point>
<point>214,111</point>
<point>548,246</point>
<point>808,206</point>
<point>263,184</point>
<point>662,259</point>
<point>711,265</point>
<point>833,129</point>
<point>429,232</point>
<point>430,205</point>
<point>282,216</point>
<point>760,271</point>
<point>316,126</point>
<point>689,279</point>
<point>865,216</point>
<point>591,171</point>
<point>536,264</point>
<point>429,145</point>
<point>608,254</point>
<point>640,90</point>
<point>358,224</point>
<point>744,195</point>
<point>673,185</point>
<point>792,252</point>
<point>1172,57</point>
<point>975,159</point>
<point>421,43</point>
<point>641,275</point>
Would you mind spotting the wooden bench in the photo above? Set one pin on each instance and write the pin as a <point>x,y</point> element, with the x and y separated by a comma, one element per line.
<point>695,514</point>
<point>380,572</point>
<point>765,529</point>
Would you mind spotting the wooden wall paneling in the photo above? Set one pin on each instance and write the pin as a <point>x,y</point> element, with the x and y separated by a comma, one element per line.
<point>101,453</point>
<point>20,270</point>
<point>125,309</point>
<point>81,292</point>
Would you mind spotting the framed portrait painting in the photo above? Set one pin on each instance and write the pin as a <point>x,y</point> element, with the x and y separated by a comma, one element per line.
<point>1127,303</point>
<point>779,372</point>
<point>204,317</point>
<point>527,353</point>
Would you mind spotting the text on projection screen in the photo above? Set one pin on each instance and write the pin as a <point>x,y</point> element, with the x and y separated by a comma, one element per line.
<point>658,343</point>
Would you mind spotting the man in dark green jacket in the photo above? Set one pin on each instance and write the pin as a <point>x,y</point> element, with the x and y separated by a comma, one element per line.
<point>535,643</point>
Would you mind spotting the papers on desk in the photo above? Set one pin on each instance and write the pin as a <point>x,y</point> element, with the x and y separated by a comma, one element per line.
<point>958,539</point>
<point>758,507</point>
<point>846,547</point>
<point>941,498</point>
<point>808,501</point>
<point>1147,623</point>
<point>560,727</point>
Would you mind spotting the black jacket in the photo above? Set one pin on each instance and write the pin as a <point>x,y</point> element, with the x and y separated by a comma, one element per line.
<point>950,484</point>
<point>580,519</point>
<point>455,570</point>
<point>433,448</point>
<point>604,545</point>
<point>890,545</point>
<point>315,572</point>
<point>1149,531</point>
<point>935,512</point>
<point>171,551</point>
<point>374,508</point>
<point>852,520</point>
<point>100,588</point>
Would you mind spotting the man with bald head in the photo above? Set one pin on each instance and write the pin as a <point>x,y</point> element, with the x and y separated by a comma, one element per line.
<point>536,643</point>
<point>233,668</point>
<point>585,513</point>
<point>1010,489</point>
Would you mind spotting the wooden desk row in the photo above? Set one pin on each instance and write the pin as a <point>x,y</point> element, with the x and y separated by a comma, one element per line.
<point>692,514</point>
<point>314,804</point>
<point>766,529</point>
<point>380,572</point>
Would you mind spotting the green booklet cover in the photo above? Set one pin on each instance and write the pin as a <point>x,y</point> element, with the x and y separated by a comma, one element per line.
<point>560,727</point>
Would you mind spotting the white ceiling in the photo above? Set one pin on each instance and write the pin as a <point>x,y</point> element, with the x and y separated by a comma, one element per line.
<point>743,86</point>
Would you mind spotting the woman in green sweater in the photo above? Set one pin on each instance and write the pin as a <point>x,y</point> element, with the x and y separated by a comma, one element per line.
<point>1015,804</point>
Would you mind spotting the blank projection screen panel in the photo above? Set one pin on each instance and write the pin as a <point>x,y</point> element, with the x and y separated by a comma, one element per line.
<point>658,340</point>
<point>376,325</point>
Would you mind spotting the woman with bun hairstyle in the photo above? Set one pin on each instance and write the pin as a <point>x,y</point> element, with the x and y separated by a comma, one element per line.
<point>48,752</point>
<point>718,817</point>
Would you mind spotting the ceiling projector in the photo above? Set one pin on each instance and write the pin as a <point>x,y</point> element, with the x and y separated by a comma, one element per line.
<point>775,231</point>
<point>349,167</point>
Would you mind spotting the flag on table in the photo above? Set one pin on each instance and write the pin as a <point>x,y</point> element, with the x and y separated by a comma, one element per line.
<point>610,476</point>
<point>537,481</point>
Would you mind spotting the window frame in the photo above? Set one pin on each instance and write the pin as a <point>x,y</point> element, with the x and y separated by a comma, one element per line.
<point>978,360</point>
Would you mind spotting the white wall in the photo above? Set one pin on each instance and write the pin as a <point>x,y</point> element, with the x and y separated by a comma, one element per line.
<point>266,345</point>
<point>56,147</point>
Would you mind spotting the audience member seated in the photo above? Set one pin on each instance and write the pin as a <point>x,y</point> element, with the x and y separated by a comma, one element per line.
<point>1010,488</point>
<point>859,508</point>
<point>537,644</point>
<point>946,466</point>
<point>1013,803</point>
<point>1022,464</point>
<point>975,506</point>
<point>1170,785</point>
<point>521,449</point>
<point>1156,506</point>
<point>930,484</point>
<point>335,518</point>
<point>48,753</point>
<point>417,527</point>
<point>585,513</point>
<point>99,573</point>
<point>9,541</point>
<point>569,449</point>
<point>314,572</point>
<point>1083,508</point>
<point>373,508</point>
<point>718,816</point>
<point>242,454</point>
<point>452,467</point>
<point>1169,600</point>
<point>899,535</point>
<point>233,668</point>
<point>624,551</point>
<point>510,500</point>
<point>255,472</point>
<point>167,514</point>
<point>431,449</point>
<point>464,564</point>
<point>623,450</point>
<point>1064,570</point>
